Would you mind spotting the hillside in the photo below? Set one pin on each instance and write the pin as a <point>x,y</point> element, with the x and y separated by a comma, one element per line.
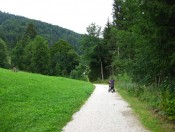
<point>33,102</point>
<point>12,27</point>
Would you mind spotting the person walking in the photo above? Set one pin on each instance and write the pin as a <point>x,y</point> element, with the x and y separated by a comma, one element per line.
<point>111,85</point>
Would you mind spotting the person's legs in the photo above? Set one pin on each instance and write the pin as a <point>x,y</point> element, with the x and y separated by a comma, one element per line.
<point>112,89</point>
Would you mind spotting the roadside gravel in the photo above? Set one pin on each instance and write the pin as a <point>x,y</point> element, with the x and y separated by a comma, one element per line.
<point>104,112</point>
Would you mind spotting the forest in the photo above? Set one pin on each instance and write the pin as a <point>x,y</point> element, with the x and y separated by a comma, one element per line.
<point>12,27</point>
<point>137,47</point>
<point>141,46</point>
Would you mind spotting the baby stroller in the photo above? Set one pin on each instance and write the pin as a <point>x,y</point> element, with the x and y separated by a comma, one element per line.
<point>111,86</point>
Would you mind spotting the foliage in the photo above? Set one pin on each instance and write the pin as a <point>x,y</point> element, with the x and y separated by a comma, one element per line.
<point>63,58</point>
<point>93,30</point>
<point>80,72</point>
<point>28,55</point>
<point>33,54</point>
<point>40,56</point>
<point>18,57</point>
<point>13,27</point>
<point>168,98</point>
<point>140,107</point>
<point>32,102</point>
<point>95,54</point>
<point>30,31</point>
<point>159,99</point>
<point>3,54</point>
<point>141,44</point>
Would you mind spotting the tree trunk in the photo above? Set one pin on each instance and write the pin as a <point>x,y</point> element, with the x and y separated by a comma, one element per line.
<point>102,77</point>
<point>118,59</point>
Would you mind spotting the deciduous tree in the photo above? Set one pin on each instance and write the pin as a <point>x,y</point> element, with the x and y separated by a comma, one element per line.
<point>40,56</point>
<point>63,58</point>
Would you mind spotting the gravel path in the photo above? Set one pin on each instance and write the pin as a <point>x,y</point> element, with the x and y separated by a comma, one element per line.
<point>104,112</point>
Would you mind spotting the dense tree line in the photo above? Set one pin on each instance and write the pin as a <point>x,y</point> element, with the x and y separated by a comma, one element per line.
<point>12,28</point>
<point>142,45</point>
<point>35,46</point>
<point>139,43</point>
<point>33,53</point>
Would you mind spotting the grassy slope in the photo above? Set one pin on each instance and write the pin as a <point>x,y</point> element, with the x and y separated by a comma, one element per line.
<point>33,102</point>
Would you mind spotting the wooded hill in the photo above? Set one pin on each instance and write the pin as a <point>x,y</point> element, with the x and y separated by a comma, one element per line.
<point>12,27</point>
<point>35,46</point>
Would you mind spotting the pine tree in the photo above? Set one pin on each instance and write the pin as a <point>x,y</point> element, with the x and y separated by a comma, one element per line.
<point>3,54</point>
<point>18,58</point>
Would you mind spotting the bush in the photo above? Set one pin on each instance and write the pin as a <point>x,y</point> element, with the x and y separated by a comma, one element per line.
<point>160,99</point>
<point>80,72</point>
<point>168,104</point>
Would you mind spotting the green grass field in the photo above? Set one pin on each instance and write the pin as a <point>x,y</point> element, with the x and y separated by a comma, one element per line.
<point>37,103</point>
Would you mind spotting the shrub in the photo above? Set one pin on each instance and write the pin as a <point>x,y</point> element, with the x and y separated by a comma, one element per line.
<point>161,99</point>
<point>168,104</point>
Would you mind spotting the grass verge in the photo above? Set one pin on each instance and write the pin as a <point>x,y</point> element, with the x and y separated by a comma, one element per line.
<point>33,102</point>
<point>147,118</point>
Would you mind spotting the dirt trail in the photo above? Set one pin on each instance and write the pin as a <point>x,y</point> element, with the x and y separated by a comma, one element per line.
<point>104,112</point>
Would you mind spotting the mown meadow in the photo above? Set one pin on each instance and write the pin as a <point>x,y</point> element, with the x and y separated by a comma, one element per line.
<point>34,102</point>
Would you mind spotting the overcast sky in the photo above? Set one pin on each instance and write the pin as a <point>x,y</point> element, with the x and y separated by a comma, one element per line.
<point>75,15</point>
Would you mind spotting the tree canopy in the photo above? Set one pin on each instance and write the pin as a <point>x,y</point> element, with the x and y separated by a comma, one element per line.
<point>63,58</point>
